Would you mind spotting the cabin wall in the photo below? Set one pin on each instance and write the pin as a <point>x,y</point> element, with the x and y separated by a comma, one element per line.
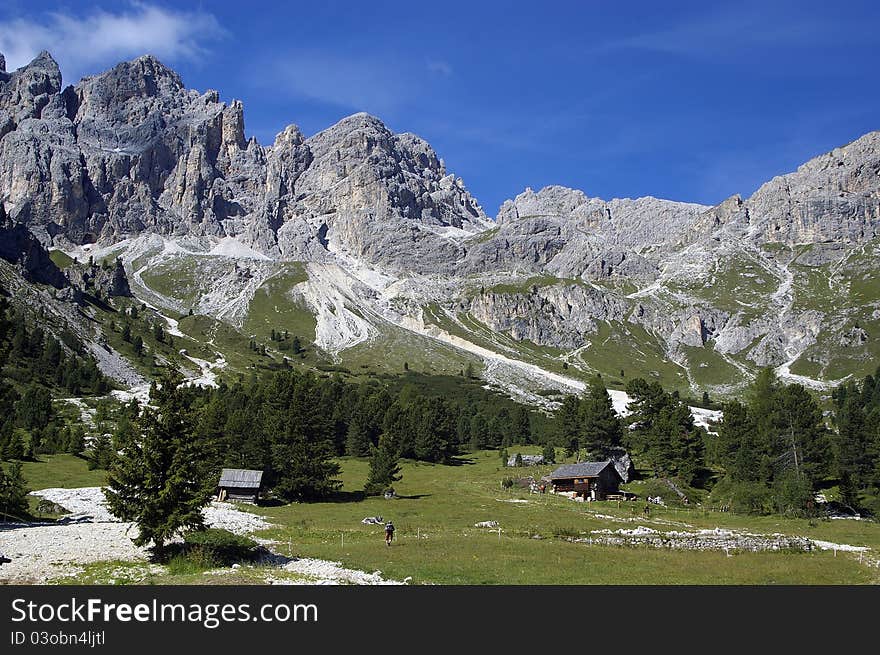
<point>240,493</point>
<point>609,482</point>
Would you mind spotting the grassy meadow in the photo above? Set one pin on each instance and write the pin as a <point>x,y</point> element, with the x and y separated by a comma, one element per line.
<point>436,541</point>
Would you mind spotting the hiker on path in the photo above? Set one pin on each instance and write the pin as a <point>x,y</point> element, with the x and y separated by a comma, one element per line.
<point>389,533</point>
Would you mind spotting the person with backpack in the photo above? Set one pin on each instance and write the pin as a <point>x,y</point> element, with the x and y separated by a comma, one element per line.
<point>389,533</point>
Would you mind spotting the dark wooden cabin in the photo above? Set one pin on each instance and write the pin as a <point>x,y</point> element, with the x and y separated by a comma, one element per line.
<point>591,480</point>
<point>239,484</point>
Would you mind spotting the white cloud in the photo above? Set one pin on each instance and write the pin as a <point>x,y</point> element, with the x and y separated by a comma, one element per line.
<point>361,82</point>
<point>84,44</point>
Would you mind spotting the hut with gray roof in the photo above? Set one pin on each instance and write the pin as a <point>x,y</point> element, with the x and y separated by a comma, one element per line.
<point>240,484</point>
<point>590,480</point>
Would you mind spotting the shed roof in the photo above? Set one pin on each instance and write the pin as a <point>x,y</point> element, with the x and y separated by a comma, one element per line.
<point>242,478</point>
<point>580,470</point>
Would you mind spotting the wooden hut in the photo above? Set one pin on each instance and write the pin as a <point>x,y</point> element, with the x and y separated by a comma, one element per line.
<point>239,484</point>
<point>591,480</point>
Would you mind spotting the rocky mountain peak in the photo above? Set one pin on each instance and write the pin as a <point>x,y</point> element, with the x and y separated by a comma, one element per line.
<point>831,197</point>
<point>144,76</point>
<point>25,92</point>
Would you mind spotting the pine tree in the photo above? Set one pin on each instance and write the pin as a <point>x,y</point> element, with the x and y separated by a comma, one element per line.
<point>75,441</point>
<point>34,409</point>
<point>568,432</point>
<point>600,427</point>
<point>434,428</point>
<point>479,429</point>
<point>384,467</point>
<point>160,480</point>
<point>101,453</point>
<point>13,448</point>
<point>357,439</point>
<point>126,332</point>
<point>301,438</point>
<point>13,493</point>
<point>296,345</point>
<point>549,453</point>
<point>522,425</point>
<point>853,450</point>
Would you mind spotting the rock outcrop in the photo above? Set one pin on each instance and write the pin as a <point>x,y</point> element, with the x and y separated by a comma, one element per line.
<point>19,247</point>
<point>132,150</point>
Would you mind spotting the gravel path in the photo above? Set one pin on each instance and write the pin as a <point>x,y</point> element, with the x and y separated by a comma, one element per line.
<point>42,552</point>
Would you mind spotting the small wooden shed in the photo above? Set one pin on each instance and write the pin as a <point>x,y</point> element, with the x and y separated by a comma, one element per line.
<point>591,480</point>
<point>240,484</point>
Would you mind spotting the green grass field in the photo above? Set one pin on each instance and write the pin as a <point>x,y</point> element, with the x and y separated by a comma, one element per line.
<point>67,471</point>
<point>436,541</point>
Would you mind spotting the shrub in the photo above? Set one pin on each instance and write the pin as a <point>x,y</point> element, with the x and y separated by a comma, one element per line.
<point>192,560</point>
<point>221,547</point>
<point>743,497</point>
<point>566,532</point>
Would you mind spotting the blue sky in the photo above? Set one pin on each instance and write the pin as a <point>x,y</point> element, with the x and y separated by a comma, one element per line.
<point>690,101</point>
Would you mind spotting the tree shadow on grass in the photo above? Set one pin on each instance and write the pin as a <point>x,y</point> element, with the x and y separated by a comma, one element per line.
<point>415,496</point>
<point>345,497</point>
<point>460,460</point>
<point>270,502</point>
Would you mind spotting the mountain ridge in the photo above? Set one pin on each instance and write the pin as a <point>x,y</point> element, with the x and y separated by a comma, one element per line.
<point>700,296</point>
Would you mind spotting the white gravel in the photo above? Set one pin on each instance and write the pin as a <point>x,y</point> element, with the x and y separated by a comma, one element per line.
<point>43,552</point>
<point>226,516</point>
<point>332,573</point>
<point>82,502</point>
<point>830,545</point>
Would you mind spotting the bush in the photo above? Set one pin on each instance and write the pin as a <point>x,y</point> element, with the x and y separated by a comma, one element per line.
<point>792,495</point>
<point>564,532</point>
<point>508,483</point>
<point>743,497</point>
<point>221,547</point>
<point>192,560</point>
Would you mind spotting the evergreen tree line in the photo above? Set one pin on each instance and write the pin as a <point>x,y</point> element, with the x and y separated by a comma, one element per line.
<point>659,429</point>
<point>857,445</point>
<point>29,355</point>
<point>292,425</point>
<point>165,458</point>
<point>351,419</point>
<point>773,451</point>
<point>32,365</point>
